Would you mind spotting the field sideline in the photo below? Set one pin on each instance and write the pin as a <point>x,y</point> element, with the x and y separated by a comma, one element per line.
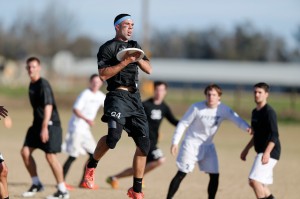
<point>229,142</point>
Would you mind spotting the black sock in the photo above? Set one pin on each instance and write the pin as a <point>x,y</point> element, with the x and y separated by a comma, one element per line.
<point>92,163</point>
<point>67,165</point>
<point>270,197</point>
<point>175,184</point>
<point>137,184</point>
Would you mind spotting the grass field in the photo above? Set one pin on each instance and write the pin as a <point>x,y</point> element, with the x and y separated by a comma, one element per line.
<point>229,142</point>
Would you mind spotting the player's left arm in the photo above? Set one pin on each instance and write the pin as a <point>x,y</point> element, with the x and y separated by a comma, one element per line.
<point>170,116</point>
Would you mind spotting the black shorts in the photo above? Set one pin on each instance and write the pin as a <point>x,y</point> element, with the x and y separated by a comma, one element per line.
<point>33,139</point>
<point>127,109</point>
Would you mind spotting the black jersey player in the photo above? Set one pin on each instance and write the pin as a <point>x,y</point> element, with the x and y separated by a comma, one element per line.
<point>123,108</point>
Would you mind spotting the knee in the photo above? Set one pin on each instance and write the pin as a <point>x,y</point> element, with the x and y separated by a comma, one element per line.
<point>24,153</point>
<point>50,158</point>
<point>112,138</point>
<point>114,133</point>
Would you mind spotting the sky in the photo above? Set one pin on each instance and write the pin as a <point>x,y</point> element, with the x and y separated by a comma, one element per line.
<point>95,17</point>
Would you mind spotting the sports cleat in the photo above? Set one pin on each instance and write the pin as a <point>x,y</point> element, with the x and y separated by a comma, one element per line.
<point>69,187</point>
<point>134,195</point>
<point>88,180</point>
<point>84,186</point>
<point>59,195</point>
<point>33,190</point>
<point>114,183</point>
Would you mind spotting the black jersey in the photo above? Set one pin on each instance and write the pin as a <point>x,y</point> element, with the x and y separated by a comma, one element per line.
<point>40,95</point>
<point>264,125</point>
<point>106,56</point>
<point>155,114</point>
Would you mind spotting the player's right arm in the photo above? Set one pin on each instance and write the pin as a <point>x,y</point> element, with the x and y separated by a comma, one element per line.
<point>110,71</point>
<point>185,121</point>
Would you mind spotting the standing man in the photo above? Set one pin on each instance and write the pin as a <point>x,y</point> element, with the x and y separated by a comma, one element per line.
<point>3,167</point>
<point>266,143</point>
<point>200,123</point>
<point>79,139</point>
<point>123,108</point>
<point>45,132</point>
<point>156,109</point>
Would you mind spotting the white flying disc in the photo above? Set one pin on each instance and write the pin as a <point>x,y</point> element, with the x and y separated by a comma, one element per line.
<point>121,53</point>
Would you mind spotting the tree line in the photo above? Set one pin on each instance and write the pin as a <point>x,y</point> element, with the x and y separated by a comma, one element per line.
<point>52,30</point>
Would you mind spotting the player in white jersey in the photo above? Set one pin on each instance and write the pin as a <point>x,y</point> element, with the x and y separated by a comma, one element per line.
<point>79,139</point>
<point>200,123</point>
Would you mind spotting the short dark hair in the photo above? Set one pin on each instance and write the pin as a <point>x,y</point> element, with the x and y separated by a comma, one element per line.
<point>30,59</point>
<point>93,76</point>
<point>211,87</point>
<point>158,83</point>
<point>262,85</point>
<point>120,16</point>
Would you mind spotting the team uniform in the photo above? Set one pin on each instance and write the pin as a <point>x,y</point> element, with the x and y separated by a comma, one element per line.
<point>155,114</point>
<point>40,95</point>
<point>79,138</point>
<point>122,106</point>
<point>197,146</point>
<point>264,125</point>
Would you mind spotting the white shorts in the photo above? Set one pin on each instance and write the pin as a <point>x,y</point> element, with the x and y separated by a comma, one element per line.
<point>262,173</point>
<point>205,155</point>
<point>79,142</point>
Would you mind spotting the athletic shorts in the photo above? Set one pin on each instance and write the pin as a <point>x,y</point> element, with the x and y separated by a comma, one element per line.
<point>154,154</point>
<point>262,173</point>
<point>33,139</point>
<point>127,109</point>
<point>204,154</point>
<point>79,142</point>
<point>1,158</point>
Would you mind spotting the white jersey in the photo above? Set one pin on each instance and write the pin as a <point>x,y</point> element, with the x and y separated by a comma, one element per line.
<point>88,103</point>
<point>201,122</point>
